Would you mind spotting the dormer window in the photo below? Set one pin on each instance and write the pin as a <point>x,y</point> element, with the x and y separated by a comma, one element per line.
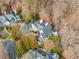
<point>41,21</point>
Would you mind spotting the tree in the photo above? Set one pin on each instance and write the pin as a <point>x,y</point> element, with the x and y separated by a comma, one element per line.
<point>19,50</point>
<point>13,30</point>
<point>35,16</point>
<point>19,11</point>
<point>27,18</point>
<point>32,41</point>
<point>25,44</point>
<point>29,42</point>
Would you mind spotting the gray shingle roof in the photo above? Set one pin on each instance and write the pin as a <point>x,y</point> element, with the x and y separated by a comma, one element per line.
<point>41,26</point>
<point>35,53</point>
<point>9,18</point>
<point>3,20</point>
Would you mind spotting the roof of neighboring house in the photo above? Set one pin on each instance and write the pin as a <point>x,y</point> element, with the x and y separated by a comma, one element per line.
<point>39,53</point>
<point>14,15</point>
<point>13,18</point>
<point>3,20</point>
<point>9,18</point>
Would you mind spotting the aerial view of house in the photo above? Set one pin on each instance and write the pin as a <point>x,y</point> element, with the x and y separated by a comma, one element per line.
<point>9,18</point>
<point>39,29</point>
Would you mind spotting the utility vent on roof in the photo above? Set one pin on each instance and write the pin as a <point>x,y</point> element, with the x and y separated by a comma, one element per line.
<point>41,21</point>
<point>5,12</point>
<point>46,24</point>
<point>56,33</point>
<point>15,11</point>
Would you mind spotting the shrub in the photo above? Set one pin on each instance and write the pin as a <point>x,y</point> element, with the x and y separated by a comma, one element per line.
<point>25,43</point>
<point>13,30</point>
<point>56,49</point>
<point>19,50</point>
<point>31,42</point>
<point>6,36</point>
<point>7,8</point>
<point>35,16</point>
<point>27,18</point>
<point>53,37</point>
<point>18,11</point>
<point>31,16</point>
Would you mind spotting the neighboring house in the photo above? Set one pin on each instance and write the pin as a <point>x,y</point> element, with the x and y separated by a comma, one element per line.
<point>3,20</point>
<point>40,54</point>
<point>9,18</point>
<point>13,17</point>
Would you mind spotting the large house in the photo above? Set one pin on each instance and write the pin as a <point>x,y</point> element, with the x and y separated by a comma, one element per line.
<point>42,29</point>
